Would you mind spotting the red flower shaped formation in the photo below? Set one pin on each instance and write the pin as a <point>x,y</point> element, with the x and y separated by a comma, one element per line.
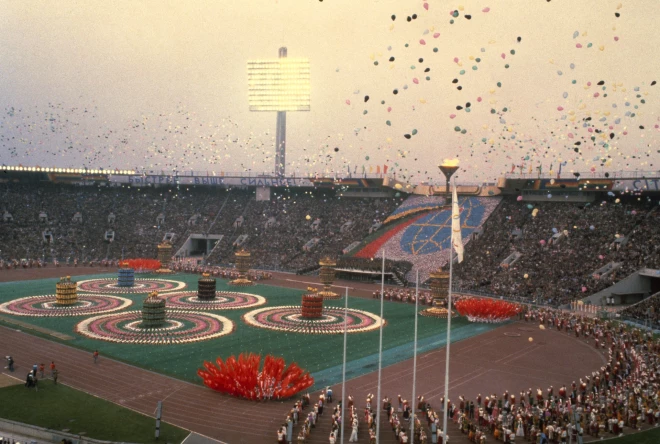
<point>243,377</point>
<point>486,310</point>
<point>141,265</point>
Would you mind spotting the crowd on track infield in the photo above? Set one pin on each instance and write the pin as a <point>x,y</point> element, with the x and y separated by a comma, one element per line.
<point>620,398</point>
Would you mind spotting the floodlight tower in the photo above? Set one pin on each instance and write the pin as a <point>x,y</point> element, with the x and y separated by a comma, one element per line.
<point>279,85</point>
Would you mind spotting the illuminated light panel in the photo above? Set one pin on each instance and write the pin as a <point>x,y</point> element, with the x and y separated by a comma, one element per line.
<point>279,84</point>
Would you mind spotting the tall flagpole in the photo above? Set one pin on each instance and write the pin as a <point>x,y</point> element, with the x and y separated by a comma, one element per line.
<point>343,371</point>
<point>412,427</point>
<point>380,350</point>
<point>451,269</point>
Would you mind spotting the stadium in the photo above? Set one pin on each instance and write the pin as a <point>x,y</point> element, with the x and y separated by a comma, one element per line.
<point>449,239</point>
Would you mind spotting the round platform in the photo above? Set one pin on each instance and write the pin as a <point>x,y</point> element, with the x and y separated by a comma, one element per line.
<point>46,306</point>
<point>224,300</point>
<point>180,327</point>
<point>289,318</point>
<point>140,286</point>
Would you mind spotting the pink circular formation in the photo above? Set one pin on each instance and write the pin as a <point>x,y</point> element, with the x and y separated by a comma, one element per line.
<point>141,286</point>
<point>288,318</point>
<point>224,300</point>
<point>46,306</point>
<point>180,327</point>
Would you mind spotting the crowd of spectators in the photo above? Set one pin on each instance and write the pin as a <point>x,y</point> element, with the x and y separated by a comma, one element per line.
<point>561,246</point>
<point>140,218</point>
<point>647,311</point>
<point>278,229</point>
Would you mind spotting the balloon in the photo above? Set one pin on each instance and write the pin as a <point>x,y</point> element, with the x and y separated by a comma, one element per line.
<point>519,198</point>
<point>530,206</point>
<point>526,276</point>
<point>542,242</point>
<point>308,217</point>
<point>554,230</point>
<point>366,158</point>
<point>592,228</point>
<point>542,327</point>
<point>584,289</point>
<point>531,339</point>
<point>535,212</point>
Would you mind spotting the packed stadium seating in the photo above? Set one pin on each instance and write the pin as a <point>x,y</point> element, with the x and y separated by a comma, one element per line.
<point>138,222</point>
<point>558,271</point>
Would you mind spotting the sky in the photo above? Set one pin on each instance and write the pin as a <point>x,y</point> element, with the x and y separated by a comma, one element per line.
<point>500,85</point>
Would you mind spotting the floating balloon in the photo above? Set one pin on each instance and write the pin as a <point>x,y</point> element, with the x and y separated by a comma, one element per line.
<point>519,198</point>
<point>531,339</point>
<point>308,217</point>
<point>526,276</point>
<point>542,327</point>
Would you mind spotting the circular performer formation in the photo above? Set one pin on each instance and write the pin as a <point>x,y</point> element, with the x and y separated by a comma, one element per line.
<point>290,319</point>
<point>139,286</point>
<point>224,300</point>
<point>47,306</point>
<point>180,327</point>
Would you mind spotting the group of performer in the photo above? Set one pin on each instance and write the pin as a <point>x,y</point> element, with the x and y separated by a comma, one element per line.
<point>405,295</point>
<point>623,394</point>
<point>216,271</point>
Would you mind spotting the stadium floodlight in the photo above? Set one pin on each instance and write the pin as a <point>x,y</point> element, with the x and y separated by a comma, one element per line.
<point>279,85</point>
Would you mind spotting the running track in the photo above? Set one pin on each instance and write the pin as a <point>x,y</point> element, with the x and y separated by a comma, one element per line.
<point>502,359</point>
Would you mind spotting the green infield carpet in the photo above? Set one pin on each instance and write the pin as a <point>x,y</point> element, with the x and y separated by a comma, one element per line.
<point>321,355</point>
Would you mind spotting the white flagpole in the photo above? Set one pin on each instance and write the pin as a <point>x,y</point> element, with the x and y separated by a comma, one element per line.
<point>380,351</point>
<point>343,371</point>
<point>451,267</point>
<point>412,427</point>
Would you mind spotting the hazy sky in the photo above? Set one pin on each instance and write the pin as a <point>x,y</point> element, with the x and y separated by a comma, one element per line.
<point>163,84</point>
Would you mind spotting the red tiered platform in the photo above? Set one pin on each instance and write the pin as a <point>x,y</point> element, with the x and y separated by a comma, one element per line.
<point>312,305</point>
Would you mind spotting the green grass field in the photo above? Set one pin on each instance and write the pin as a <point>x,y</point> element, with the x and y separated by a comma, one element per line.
<point>58,407</point>
<point>319,354</point>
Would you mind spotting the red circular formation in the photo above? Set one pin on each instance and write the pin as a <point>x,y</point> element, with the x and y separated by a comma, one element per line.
<point>224,300</point>
<point>141,286</point>
<point>245,378</point>
<point>47,306</point>
<point>486,310</point>
<point>180,327</point>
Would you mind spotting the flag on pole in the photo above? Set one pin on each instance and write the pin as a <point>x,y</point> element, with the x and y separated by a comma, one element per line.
<point>456,240</point>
